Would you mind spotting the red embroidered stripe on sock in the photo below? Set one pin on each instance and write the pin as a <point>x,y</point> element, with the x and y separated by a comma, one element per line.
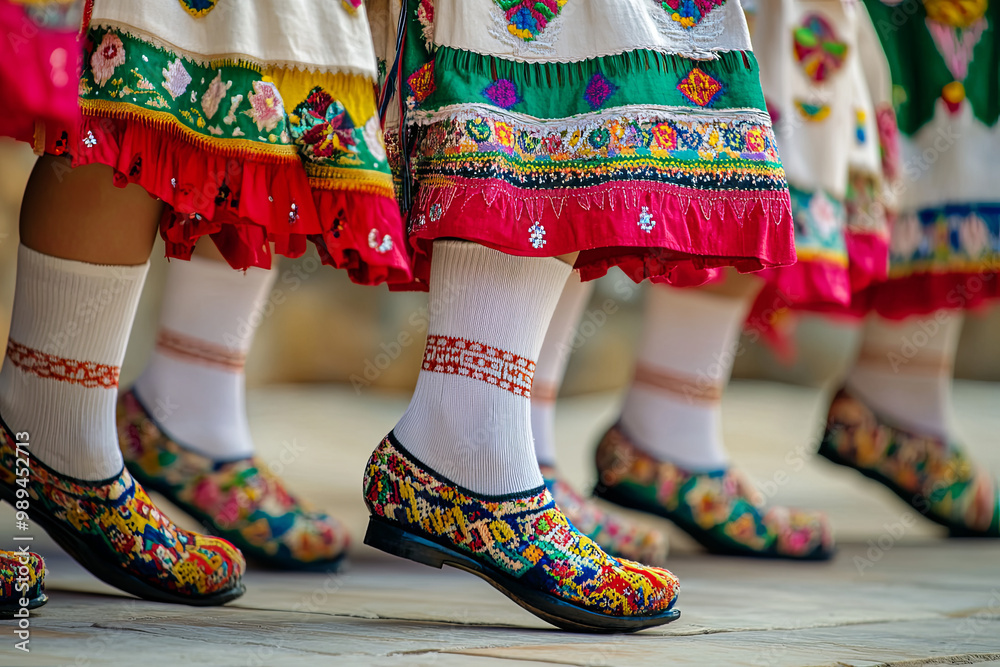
<point>546,392</point>
<point>693,389</point>
<point>197,351</point>
<point>48,366</point>
<point>920,362</point>
<point>445,354</point>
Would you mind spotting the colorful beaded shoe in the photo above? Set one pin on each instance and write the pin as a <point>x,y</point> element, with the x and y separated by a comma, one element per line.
<point>521,544</point>
<point>718,509</point>
<point>22,578</point>
<point>933,476</point>
<point>615,534</point>
<point>238,500</point>
<point>113,529</point>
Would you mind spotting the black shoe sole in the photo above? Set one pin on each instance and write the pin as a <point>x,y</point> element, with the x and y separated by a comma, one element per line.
<point>395,540</point>
<point>252,553</point>
<point>109,572</point>
<point>703,537</point>
<point>956,530</point>
<point>7,610</point>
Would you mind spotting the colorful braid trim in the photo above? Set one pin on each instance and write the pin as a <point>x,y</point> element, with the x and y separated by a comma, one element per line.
<point>50,367</point>
<point>524,536</point>
<point>458,356</point>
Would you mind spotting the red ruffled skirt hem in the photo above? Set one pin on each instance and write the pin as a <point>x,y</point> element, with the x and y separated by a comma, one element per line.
<point>926,293</point>
<point>244,203</point>
<point>826,286</point>
<point>668,233</point>
<point>894,299</point>
<point>818,286</point>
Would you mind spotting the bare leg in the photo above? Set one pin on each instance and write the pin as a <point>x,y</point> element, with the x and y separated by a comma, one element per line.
<point>206,249</point>
<point>736,285</point>
<point>79,214</point>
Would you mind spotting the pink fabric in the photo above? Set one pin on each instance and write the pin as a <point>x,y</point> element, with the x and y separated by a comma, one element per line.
<point>38,73</point>
<point>869,259</point>
<point>809,285</point>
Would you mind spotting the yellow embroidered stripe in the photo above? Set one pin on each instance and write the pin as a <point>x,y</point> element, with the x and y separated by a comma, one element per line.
<point>166,122</point>
<point>354,180</point>
<point>837,257</point>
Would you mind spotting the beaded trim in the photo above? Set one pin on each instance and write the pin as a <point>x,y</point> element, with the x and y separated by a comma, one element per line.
<point>84,373</point>
<point>195,350</point>
<point>458,356</point>
<point>686,386</point>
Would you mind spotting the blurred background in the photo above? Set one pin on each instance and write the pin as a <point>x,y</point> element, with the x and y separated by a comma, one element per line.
<point>320,328</point>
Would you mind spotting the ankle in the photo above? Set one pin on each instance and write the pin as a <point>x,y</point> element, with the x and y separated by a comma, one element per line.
<point>489,458</point>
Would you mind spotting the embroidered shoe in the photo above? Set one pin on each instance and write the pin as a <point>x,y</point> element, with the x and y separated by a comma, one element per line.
<point>933,476</point>
<point>718,509</point>
<point>113,529</point>
<point>22,578</point>
<point>615,534</point>
<point>238,500</point>
<point>521,544</point>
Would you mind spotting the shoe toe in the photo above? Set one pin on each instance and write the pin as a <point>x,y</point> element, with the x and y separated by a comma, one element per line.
<point>800,533</point>
<point>220,565</point>
<point>13,564</point>
<point>653,590</point>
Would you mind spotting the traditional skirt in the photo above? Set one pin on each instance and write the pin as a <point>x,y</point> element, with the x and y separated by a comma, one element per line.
<point>827,86</point>
<point>945,244</point>
<point>255,122</point>
<point>634,132</point>
<point>39,61</point>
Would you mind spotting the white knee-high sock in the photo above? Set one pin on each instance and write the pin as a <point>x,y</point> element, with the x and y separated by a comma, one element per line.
<point>59,381</point>
<point>673,409</point>
<point>194,383</point>
<point>904,370</point>
<point>470,417</point>
<point>551,367</point>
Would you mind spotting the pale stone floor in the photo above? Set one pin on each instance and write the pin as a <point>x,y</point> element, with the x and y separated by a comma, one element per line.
<point>905,598</point>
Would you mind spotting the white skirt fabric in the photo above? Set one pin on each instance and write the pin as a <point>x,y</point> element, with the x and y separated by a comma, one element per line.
<point>326,35</point>
<point>823,73</point>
